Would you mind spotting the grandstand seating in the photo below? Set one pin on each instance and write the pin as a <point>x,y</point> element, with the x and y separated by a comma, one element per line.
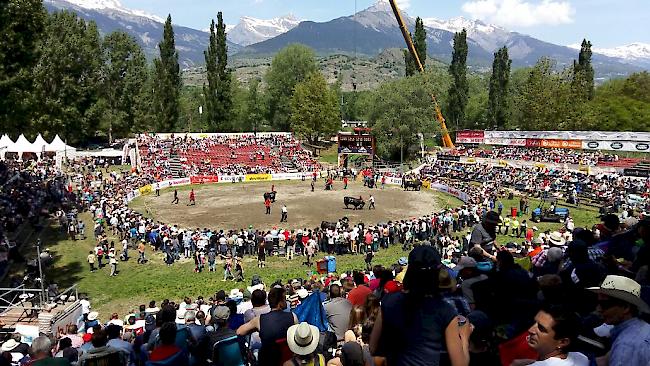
<point>620,163</point>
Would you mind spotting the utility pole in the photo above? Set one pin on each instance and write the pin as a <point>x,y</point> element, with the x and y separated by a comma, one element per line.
<point>40,272</point>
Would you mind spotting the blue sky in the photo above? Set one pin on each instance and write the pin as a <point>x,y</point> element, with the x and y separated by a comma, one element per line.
<point>607,23</point>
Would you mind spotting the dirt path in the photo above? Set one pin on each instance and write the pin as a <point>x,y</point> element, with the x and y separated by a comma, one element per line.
<point>239,205</point>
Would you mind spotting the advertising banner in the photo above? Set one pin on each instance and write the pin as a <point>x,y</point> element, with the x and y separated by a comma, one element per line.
<point>447,157</point>
<point>633,172</point>
<point>355,150</point>
<point>145,190</point>
<point>258,177</point>
<point>469,137</point>
<point>450,190</point>
<point>394,181</point>
<point>201,179</point>
<point>533,143</point>
<point>617,145</point>
<point>290,176</point>
<point>161,185</point>
<point>231,178</point>
<point>505,141</point>
<point>561,144</point>
<point>179,182</point>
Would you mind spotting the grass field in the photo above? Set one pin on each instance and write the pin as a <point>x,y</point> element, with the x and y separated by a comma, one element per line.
<point>137,284</point>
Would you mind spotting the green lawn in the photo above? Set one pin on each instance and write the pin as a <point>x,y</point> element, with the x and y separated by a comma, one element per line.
<point>330,156</point>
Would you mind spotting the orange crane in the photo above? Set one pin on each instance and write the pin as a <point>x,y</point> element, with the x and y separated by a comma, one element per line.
<point>446,139</point>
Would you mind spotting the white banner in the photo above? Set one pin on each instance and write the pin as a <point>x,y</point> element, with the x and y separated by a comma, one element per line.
<point>504,141</point>
<point>393,180</point>
<point>291,176</point>
<point>179,182</point>
<point>450,190</point>
<point>616,145</point>
<point>231,178</point>
<point>572,135</point>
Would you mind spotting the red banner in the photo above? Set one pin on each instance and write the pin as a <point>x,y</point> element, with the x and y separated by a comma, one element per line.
<point>201,179</point>
<point>533,142</point>
<point>469,137</point>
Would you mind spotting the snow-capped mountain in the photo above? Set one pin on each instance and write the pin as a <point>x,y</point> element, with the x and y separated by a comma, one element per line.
<point>114,5</point>
<point>489,37</point>
<point>634,53</point>
<point>109,15</point>
<point>251,30</point>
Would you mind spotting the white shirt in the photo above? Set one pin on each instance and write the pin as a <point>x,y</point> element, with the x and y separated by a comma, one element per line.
<point>85,306</point>
<point>284,209</point>
<point>573,359</point>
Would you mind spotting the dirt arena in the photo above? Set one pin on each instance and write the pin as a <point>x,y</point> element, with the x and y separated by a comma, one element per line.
<point>242,204</point>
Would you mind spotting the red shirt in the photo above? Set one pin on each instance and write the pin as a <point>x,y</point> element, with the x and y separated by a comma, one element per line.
<point>358,295</point>
<point>163,352</point>
<point>267,203</point>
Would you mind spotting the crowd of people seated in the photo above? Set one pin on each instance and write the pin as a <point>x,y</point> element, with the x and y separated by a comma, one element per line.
<point>224,155</point>
<point>539,154</point>
<point>580,299</point>
<point>563,297</point>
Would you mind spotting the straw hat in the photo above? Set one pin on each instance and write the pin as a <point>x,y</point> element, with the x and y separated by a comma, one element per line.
<point>93,315</point>
<point>303,338</point>
<point>9,345</point>
<point>556,239</point>
<point>622,288</point>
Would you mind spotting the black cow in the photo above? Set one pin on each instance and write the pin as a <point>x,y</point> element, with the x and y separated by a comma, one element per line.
<point>357,203</point>
<point>414,184</point>
<point>324,225</point>
<point>270,195</point>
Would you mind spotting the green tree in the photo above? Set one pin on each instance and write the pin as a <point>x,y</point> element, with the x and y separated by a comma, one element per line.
<point>21,28</point>
<point>68,79</point>
<point>420,43</point>
<point>401,109</point>
<point>458,91</point>
<point>498,98</point>
<point>167,82</point>
<point>289,67</point>
<point>254,117</point>
<point>545,101</point>
<point>218,93</point>
<point>583,73</point>
<point>125,74</point>
<point>314,109</point>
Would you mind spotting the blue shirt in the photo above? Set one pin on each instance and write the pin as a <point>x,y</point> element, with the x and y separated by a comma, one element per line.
<point>631,343</point>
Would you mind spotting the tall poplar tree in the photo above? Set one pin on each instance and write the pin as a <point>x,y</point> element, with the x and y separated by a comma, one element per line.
<point>498,96</point>
<point>459,88</point>
<point>22,23</point>
<point>420,43</point>
<point>167,81</point>
<point>218,93</point>
<point>583,73</point>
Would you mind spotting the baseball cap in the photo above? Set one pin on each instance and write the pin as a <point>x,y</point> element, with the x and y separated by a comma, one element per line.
<point>222,313</point>
<point>465,262</point>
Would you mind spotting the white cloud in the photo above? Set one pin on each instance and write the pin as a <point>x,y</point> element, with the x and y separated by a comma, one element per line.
<point>404,4</point>
<point>521,13</point>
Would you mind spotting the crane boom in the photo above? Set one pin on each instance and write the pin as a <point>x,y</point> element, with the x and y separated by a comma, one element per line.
<point>446,139</point>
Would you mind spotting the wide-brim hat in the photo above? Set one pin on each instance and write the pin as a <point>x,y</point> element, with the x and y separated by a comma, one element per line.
<point>303,338</point>
<point>9,345</point>
<point>622,288</point>
<point>236,294</point>
<point>555,238</point>
<point>93,315</point>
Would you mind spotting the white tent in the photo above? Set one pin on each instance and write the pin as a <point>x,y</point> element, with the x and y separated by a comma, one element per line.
<point>58,145</point>
<point>5,145</point>
<point>39,144</point>
<point>22,146</point>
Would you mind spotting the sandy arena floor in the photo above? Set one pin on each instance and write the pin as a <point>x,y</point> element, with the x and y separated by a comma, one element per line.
<point>242,204</point>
